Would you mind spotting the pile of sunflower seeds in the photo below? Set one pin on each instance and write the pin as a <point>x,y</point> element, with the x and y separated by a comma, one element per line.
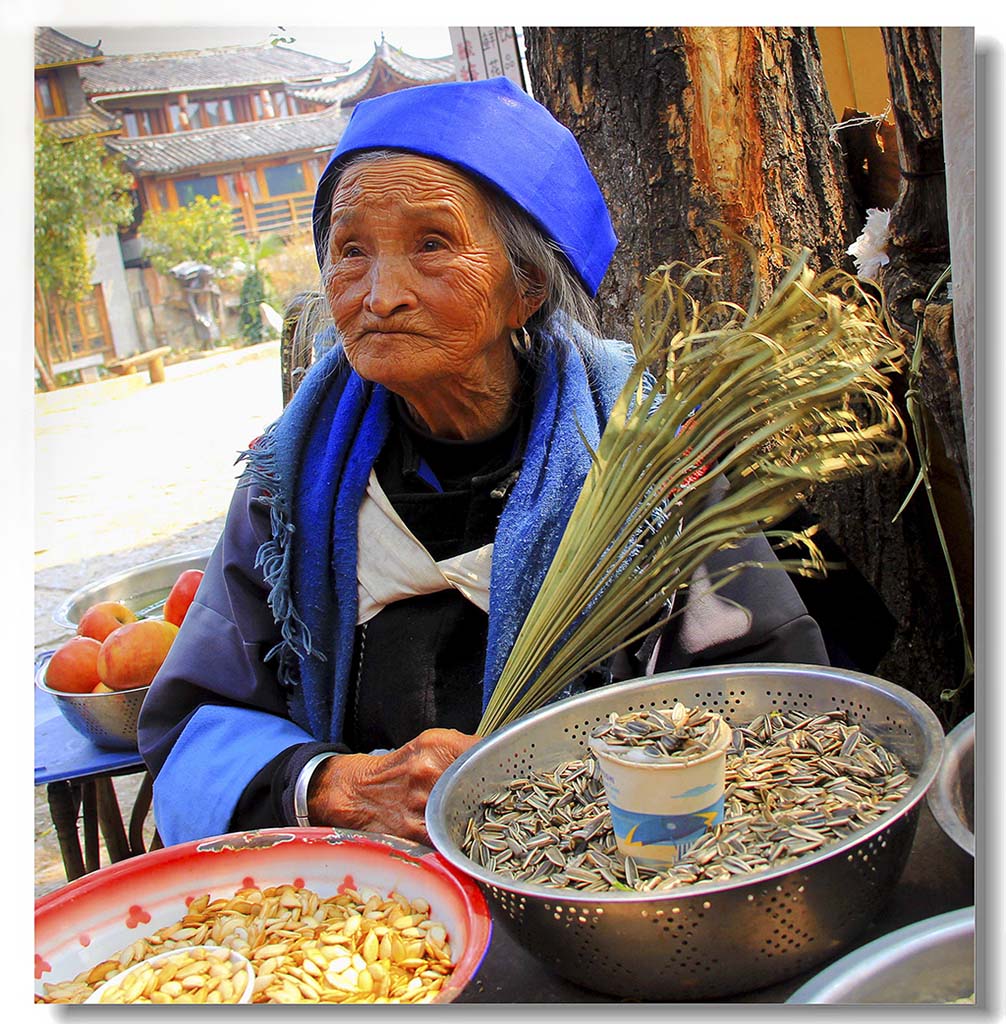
<point>794,782</point>
<point>677,735</point>
<point>358,946</point>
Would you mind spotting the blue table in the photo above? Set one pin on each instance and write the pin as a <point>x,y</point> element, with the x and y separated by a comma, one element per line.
<point>77,775</point>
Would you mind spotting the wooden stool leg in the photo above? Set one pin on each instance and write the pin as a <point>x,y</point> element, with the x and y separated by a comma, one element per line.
<point>63,807</point>
<point>157,370</point>
<point>89,802</point>
<point>110,820</point>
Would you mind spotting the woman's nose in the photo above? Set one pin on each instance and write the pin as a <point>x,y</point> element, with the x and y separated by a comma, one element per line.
<point>390,286</point>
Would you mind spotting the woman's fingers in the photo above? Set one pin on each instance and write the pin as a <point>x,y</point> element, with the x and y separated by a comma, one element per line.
<point>385,792</point>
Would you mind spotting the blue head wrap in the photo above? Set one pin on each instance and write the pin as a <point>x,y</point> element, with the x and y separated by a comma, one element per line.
<point>495,131</point>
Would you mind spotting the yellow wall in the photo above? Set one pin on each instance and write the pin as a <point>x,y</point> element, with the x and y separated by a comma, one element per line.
<point>855,69</point>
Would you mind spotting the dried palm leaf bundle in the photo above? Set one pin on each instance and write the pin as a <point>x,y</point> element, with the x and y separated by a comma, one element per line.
<point>772,399</point>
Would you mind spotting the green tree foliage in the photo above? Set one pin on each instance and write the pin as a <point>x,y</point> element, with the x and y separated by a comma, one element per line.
<point>257,287</point>
<point>80,189</point>
<point>202,231</point>
<point>253,291</point>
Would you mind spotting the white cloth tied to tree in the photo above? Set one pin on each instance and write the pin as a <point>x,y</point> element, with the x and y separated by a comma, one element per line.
<point>392,564</point>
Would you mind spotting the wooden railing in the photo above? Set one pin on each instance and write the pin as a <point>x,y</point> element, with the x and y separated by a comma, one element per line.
<point>288,214</point>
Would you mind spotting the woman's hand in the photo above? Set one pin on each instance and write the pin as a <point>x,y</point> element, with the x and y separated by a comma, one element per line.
<point>385,792</point>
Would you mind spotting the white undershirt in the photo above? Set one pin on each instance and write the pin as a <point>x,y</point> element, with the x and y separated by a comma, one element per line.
<point>392,564</point>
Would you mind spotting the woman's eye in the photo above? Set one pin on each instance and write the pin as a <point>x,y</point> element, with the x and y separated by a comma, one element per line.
<point>432,245</point>
<point>351,251</point>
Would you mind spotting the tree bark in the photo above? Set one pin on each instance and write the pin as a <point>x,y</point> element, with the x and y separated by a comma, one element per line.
<point>919,251</point>
<point>684,127</point>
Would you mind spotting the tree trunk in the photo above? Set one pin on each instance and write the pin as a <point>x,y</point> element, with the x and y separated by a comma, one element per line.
<point>919,251</point>
<point>684,127</point>
<point>42,338</point>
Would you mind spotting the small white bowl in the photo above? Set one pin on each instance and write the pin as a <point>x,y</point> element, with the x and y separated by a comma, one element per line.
<point>220,953</point>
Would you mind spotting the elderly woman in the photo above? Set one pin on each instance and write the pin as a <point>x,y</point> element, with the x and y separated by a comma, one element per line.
<point>393,526</point>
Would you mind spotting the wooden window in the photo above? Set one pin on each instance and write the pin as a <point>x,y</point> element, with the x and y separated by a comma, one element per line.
<point>242,108</point>
<point>254,185</point>
<point>230,183</point>
<point>279,104</point>
<point>285,180</point>
<point>186,189</point>
<point>75,330</point>
<point>175,113</point>
<point>48,97</point>
<point>316,168</point>
<point>143,122</point>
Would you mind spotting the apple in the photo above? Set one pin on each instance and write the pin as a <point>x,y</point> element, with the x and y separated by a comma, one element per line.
<point>181,595</point>
<point>102,618</point>
<point>131,656</point>
<point>102,688</point>
<point>74,666</point>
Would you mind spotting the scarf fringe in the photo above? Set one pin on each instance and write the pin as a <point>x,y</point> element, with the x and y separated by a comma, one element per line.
<point>273,558</point>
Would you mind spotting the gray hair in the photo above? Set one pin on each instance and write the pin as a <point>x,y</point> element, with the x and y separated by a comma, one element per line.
<point>537,264</point>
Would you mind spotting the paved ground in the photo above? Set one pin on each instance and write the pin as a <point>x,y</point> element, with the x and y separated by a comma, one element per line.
<point>127,471</point>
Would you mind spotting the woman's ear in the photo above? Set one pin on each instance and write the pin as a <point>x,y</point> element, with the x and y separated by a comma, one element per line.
<point>531,293</point>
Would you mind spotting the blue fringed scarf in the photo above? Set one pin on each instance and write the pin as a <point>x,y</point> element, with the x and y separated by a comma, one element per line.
<point>313,465</point>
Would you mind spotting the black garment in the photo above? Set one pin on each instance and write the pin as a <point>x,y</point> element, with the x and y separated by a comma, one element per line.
<point>855,623</point>
<point>419,662</point>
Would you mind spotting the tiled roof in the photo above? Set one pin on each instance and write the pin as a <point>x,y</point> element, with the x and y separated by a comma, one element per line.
<point>191,70</point>
<point>52,48</point>
<point>350,88</point>
<point>182,151</point>
<point>91,121</point>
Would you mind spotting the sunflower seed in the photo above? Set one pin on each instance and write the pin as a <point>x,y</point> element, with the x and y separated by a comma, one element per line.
<point>795,782</point>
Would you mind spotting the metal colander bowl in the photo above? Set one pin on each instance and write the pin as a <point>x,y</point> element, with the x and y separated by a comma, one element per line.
<point>107,719</point>
<point>952,797</point>
<point>710,939</point>
<point>141,588</point>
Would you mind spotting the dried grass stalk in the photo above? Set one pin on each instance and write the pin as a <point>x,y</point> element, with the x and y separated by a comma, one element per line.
<point>774,399</point>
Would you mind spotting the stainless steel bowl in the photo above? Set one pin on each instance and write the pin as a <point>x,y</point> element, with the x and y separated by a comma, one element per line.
<point>107,719</point>
<point>711,939</point>
<point>143,588</point>
<point>952,797</point>
<point>931,961</point>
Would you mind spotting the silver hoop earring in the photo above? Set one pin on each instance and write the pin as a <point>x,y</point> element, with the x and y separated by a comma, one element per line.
<point>521,341</point>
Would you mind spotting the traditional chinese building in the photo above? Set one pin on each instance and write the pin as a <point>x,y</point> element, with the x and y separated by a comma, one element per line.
<point>388,70</point>
<point>79,336</point>
<point>253,125</point>
<point>221,122</point>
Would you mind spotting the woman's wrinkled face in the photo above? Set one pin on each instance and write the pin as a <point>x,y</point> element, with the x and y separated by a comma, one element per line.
<point>420,286</point>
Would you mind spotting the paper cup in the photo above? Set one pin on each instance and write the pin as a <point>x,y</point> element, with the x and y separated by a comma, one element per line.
<point>660,809</point>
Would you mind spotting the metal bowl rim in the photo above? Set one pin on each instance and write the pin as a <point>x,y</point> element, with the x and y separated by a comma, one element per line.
<point>938,797</point>
<point>61,614</point>
<point>932,736</point>
<point>952,924</point>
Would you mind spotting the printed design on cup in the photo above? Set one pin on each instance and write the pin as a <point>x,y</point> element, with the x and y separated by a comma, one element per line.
<point>640,830</point>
